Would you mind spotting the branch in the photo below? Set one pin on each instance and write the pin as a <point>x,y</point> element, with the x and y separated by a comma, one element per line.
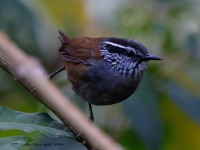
<point>29,73</point>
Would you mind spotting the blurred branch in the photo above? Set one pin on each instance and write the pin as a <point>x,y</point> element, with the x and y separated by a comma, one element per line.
<point>28,72</point>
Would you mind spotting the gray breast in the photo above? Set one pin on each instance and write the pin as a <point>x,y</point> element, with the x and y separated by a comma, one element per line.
<point>104,86</point>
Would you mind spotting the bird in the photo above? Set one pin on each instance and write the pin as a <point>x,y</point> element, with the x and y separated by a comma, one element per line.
<point>104,70</point>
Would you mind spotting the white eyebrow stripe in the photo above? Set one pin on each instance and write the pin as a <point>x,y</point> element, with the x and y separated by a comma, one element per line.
<point>118,45</point>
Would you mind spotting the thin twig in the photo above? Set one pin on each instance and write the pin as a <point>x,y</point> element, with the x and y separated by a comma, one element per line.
<point>28,72</point>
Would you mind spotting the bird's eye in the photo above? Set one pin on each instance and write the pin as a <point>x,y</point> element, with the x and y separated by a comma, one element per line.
<point>130,54</point>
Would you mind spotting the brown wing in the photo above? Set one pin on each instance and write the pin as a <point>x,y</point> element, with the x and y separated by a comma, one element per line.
<point>78,54</point>
<point>80,50</point>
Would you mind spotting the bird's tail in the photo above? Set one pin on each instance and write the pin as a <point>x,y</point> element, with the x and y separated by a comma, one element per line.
<point>63,38</point>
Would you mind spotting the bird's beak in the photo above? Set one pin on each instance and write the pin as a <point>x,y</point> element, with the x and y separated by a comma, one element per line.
<point>151,57</point>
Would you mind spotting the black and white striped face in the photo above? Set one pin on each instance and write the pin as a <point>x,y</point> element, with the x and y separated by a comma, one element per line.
<point>125,56</point>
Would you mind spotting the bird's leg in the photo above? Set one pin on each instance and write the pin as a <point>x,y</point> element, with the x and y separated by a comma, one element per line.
<point>91,117</point>
<point>91,112</point>
<point>50,76</point>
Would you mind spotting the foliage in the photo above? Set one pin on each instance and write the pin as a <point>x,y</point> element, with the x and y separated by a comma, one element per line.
<point>30,122</point>
<point>55,133</point>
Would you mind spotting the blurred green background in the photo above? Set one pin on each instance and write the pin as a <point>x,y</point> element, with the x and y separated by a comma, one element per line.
<point>164,112</point>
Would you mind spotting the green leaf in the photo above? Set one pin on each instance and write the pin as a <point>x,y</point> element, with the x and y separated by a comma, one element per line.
<point>143,110</point>
<point>60,143</point>
<point>13,143</point>
<point>189,103</point>
<point>20,24</point>
<point>29,122</point>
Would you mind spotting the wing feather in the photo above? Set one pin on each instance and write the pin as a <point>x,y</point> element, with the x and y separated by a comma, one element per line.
<point>81,50</point>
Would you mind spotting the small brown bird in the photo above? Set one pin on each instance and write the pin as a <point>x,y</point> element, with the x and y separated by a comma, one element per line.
<point>104,71</point>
